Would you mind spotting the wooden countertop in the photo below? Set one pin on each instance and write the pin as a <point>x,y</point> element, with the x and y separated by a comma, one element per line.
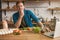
<point>25,36</point>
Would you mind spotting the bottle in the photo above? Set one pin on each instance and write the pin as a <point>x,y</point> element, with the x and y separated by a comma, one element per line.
<point>5,25</point>
<point>46,19</point>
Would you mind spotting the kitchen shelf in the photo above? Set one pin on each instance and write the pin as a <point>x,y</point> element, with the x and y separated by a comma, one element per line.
<point>36,0</point>
<point>56,8</point>
<point>12,0</point>
<point>23,0</point>
<point>8,9</point>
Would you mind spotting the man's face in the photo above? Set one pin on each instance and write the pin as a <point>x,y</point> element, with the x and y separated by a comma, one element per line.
<point>20,6</point>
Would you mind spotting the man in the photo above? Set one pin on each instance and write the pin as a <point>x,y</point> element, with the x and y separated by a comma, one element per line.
<point>25,15</point>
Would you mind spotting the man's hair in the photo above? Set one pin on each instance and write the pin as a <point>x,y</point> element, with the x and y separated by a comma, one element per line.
<point>19,2</point>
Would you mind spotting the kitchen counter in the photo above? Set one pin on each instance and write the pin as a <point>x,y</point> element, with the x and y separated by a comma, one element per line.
<point>25,36</point>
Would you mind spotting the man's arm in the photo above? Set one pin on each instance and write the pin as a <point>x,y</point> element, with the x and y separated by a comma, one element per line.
<point>18,21</point>
<point>36,19</point>
<point>40,24</point>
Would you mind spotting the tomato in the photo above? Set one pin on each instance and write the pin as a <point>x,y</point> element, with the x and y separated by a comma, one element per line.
<point>29,29</point>
<point>17,32</point>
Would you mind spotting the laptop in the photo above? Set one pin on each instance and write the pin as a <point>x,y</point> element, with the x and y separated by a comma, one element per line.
<point>54,34</point>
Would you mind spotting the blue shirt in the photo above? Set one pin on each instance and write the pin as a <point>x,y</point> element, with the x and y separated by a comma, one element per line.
<point>28,15</point>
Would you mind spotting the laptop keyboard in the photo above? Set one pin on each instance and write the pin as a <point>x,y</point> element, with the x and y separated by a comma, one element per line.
<point>49,34</point>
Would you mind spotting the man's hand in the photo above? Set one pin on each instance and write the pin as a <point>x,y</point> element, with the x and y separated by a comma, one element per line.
<point>21,11</point>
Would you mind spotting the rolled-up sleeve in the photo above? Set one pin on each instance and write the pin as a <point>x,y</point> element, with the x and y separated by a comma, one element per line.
<point>32,15</point>
<point>15,18</point>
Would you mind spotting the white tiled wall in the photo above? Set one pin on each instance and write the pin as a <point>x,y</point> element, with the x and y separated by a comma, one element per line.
<point>39,9</point>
